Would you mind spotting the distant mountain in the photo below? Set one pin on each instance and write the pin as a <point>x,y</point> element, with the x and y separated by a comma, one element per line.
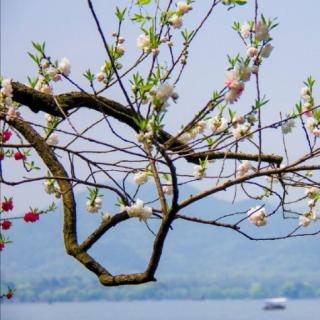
<point>198,260</point>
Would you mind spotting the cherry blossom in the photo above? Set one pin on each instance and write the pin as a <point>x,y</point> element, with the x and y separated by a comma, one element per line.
<point>257,216</point>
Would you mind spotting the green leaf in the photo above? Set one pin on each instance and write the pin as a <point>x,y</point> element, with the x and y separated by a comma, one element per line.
<point>240,2</point>
<point>299,107</point>
<point>89,75</point>
<point>34,58</point>
<point>143,2</point>
<point>120,13</point>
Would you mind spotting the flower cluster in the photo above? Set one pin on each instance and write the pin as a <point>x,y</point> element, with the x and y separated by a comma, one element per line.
<point>241,130</point>
<point>144,137</point>
<point>31,216</point>
<point>234,81</point>
<point>257,216</point>
<point>94,206</point>
<point>313,126</point>
<point>218,124</point>
<point>312,192</point>
<point>191,134</point>
<point>107,69</point>
<point>307,100</point>
<point>183,7</point>
<point>176,18</point>
<point>308,217</point>
<point>6,92</point>
<point>49,72</point>
<point>51,187</point>
<point>138,210</point>
<point>162,95</point>
<point>7,204</point>
<point>52,138</point>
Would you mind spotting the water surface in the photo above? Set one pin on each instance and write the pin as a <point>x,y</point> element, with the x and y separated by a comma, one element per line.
<point>161,310</point>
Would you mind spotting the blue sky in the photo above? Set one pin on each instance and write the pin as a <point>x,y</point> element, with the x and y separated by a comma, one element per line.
<point>69,30</point>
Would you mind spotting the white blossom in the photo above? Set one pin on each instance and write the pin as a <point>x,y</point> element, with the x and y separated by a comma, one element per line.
<point>316,132</point>
<point>312,203</point>
<point>304,221</point>
<point>305,91</point>
<point>244,168</point>
<point>252,51</point>
<point>311,124</point>
<point>53,139</point>
<point>241,131</point>
<point>257,216</point>
<point>48,117</point>
<point>287,126</point>
<point>311,192</point>
<point>94,206</point>
<point>200,127</point>
<point>183,7</point>
<point>143,42</point>
<point>266,51</point>
<point>176,21</point>
<point>231,96</point>
<point>49,186</point>
<point>164,91</point>
<point>245,30</point>
<point>139,211</point>
<point>232,79</point>
<point>308,217</point>
<point>144,137</point>
<point>140,177</point>
<point>261,31</point>
<point>53,73</point>
<point>6,89</point>
<point>244,73</point>
<point>12,113</point>
<point>64,67</point>
<point>199,172</point>
<point>218,124</point>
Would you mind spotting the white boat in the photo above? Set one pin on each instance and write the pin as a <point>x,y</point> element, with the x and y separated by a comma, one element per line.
<point>275,303</point>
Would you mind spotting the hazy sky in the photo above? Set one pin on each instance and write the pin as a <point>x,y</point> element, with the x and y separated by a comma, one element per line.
<point>69,30</point>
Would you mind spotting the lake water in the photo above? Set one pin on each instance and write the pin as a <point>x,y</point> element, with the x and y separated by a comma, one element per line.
<point>161,310</point>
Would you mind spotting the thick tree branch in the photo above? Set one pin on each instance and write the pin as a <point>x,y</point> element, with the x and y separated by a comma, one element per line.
<point>70,219</point>
<point>38,101</point>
